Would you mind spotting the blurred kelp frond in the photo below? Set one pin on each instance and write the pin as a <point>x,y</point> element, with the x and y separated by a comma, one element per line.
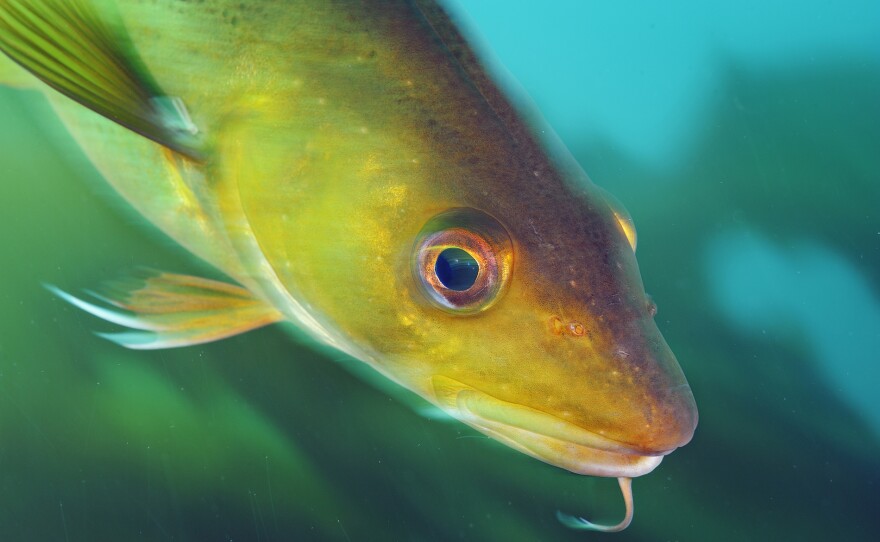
<point>793,152</point>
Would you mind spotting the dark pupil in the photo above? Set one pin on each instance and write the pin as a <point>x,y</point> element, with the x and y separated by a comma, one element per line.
<point>456,269</point>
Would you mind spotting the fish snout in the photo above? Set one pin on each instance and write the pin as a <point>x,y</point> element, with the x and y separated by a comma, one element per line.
<point>651,406</point>
<point>668,411</point>
<point>670,422</point>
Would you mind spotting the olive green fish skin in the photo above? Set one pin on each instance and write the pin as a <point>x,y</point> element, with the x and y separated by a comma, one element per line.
<point>333,131</point>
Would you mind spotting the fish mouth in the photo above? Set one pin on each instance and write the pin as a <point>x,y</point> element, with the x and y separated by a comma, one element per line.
<point>542,436</point>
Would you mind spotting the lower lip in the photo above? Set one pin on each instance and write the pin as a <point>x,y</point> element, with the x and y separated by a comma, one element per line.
<point>541,435</point>
<point>570,456</point>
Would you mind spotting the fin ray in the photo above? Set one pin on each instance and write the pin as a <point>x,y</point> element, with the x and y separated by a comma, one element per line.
<point>168,310</point>
<point>91,60</point>
<point>109,315</point>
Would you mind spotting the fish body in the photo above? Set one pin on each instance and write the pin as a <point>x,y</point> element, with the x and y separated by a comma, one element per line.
<point>331,158</point>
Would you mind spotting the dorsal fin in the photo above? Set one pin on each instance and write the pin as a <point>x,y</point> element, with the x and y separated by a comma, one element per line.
<point>89,58</point>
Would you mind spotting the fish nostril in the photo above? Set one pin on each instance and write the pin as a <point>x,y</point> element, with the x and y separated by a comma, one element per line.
<point>573,328</point>
<point>556,325</point>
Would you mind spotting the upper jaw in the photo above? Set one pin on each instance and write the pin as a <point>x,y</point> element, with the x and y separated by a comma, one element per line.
<point>541,435</point>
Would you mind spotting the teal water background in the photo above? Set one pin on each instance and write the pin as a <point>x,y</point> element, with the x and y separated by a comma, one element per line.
<point>744,138</point>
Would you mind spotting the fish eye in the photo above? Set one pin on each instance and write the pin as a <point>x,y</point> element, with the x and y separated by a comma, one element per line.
<point>462,260</point>
<point>456,269</point>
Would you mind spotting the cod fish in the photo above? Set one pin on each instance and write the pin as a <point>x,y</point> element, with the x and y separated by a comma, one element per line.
<point>354,170</point>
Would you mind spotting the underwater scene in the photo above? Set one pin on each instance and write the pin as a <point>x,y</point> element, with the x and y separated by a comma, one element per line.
<point>743,139</point>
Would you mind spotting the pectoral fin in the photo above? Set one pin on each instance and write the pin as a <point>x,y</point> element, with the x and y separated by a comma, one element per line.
<point>171,310</point>
<point>89,58</point>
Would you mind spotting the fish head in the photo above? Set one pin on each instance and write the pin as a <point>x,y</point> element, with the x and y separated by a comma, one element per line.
<point>511,301</point>
<point>410,217</point>
<point>541,333</point>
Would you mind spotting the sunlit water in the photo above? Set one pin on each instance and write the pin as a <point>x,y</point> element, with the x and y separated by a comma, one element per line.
<point>743,138</point>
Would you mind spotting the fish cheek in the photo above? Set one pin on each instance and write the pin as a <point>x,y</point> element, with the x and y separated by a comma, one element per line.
<point>571,367</point>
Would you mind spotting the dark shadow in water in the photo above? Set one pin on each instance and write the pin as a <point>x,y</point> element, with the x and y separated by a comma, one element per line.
<point>258,438</point>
